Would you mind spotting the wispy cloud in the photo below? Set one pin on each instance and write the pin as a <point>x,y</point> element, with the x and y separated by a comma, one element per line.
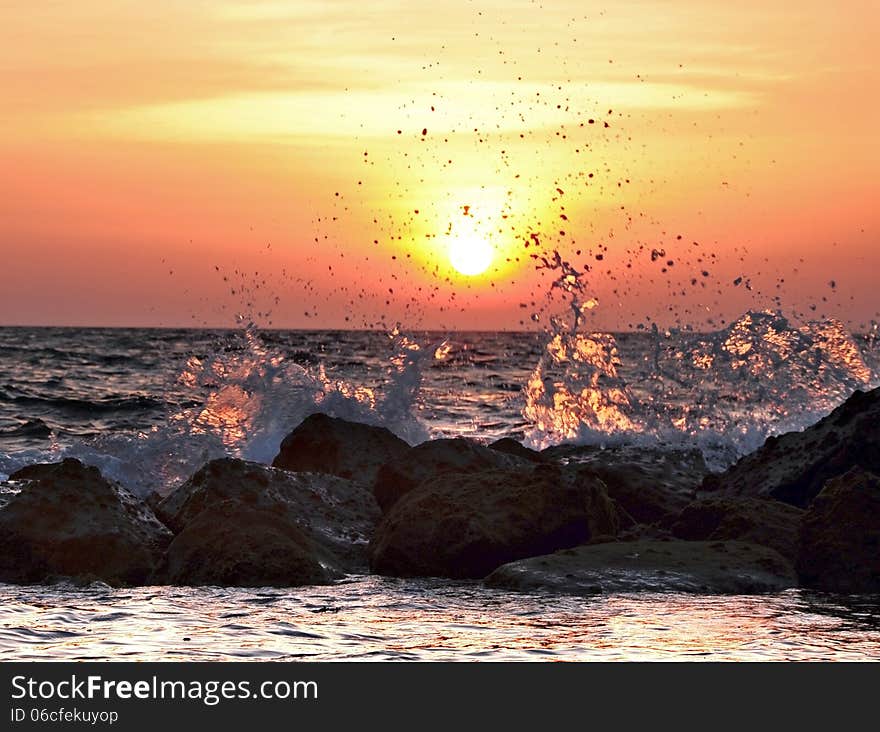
<point>459,107</point>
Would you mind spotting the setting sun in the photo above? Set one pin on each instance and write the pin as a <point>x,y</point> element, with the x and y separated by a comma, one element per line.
<point>470,255</point>
<point>359,318</point>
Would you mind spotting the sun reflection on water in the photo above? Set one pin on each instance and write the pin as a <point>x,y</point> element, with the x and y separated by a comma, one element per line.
<point>378,618</point>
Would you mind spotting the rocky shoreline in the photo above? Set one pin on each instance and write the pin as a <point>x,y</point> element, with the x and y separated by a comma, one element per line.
<point>344,498</point>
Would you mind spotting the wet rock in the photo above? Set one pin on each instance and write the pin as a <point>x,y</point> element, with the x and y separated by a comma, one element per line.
<point>337,515</point>
<point>434,458</point>
<point>233,544</point>
<point>724,567</point>
<point>794,467</point>
<point>509,446</point>
<point>840,535</point>
<point>465,525</point>
<point>648,483</point>
<point>765,522</point>
<point>65,520</point>
<point>322,444</point>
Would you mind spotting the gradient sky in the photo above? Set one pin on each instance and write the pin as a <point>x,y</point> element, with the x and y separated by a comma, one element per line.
<point>178,162</point>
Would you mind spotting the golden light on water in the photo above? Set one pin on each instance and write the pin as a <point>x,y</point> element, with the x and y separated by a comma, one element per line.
<point>379,620</point>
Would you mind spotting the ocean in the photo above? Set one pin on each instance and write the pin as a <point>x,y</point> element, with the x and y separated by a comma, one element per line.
<point>149,406</point>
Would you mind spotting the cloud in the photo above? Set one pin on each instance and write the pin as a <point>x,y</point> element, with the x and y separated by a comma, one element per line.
<point>460,106</point>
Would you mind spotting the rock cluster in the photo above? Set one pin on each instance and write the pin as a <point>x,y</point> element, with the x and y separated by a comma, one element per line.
<point>347,498</point>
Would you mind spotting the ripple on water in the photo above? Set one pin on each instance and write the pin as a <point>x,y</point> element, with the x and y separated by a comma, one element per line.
<point>374,618</point>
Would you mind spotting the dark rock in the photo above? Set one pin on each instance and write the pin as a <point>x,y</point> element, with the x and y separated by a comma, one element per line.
<point>67,521</point>
<point>465,525</point>
<point>509,446</point>
<point>234,544</point>
<point>338,515</point>
<point>840,535</point>
<point>728,567</point>
<point>765,522</point>
<point>153,499</point>
<point>794,467</point>
<point>649,483</point>
<point>322,444</point>
<point>434,458</point>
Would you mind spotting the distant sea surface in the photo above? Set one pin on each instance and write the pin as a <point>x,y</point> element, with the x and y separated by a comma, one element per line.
<point>150,406</point>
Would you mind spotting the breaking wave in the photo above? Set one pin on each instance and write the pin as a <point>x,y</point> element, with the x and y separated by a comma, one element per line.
<point>724,392</point>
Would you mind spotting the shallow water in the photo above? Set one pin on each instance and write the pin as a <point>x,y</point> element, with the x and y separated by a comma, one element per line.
<point>374,618</point>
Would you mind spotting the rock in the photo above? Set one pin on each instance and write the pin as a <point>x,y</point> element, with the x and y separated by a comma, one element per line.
<point>322,444</point>
<point>648,483</point>
<point>232,544</point>
<point>337,515</point>
<point>465,525</point>
<point>840,535</point>
<point>509,446</point>
<point>434,458</point>
<point>722,567</point>
<point>67,521</point>
<point>765,522</point>
<point>794,467</point>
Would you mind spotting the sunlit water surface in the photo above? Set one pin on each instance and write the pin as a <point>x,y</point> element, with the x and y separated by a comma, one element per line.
<point>373,618</point>
<point>150,407</point>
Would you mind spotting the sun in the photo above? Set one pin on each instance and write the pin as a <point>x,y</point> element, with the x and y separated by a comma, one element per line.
<point>470,255</point>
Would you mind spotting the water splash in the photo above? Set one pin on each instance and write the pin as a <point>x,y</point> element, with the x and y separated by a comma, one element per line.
<point>245,397</point>
<point>724,392</point>
<point>575,391</point>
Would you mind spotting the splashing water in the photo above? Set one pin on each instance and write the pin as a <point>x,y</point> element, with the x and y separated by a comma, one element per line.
<point>575,391</point>
<point>244,398</point>
<point>150,408</point>
<point>724,392</point>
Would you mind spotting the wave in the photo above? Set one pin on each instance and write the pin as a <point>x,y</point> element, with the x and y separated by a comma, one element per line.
<point>723,392</point>
<point>249,396</point>
<point>36,428</point>
<point>114,403</point>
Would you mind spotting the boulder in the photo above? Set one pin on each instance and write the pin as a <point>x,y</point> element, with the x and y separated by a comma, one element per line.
<point>337,515</point>
<point>65,520</point>
<point>794,467</point>
<point>840,535</point>
<point>322,444</point>
<point>509,446</point>
<point>465,525</point>
<point>648,483</point>
<point>723,567</point>
<point>434,458</point>
<point>234,544</point>
<point>765,522</point>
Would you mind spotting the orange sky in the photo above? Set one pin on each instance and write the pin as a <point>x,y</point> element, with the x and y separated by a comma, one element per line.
<point>174,163</point>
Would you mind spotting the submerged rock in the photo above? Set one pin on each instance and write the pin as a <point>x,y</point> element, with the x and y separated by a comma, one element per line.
<point>794,467</point>
<point>721,567</point>
<point>465,525</point>
<point>68,521</point>
<point>648,483</point>
<point>435,458</point>
<point>765,522</point>
<point>337,515</point>
<point>840,535</point>
<point>322,444</point>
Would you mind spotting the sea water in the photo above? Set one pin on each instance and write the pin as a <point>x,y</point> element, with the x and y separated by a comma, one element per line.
<point>150,406</point>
